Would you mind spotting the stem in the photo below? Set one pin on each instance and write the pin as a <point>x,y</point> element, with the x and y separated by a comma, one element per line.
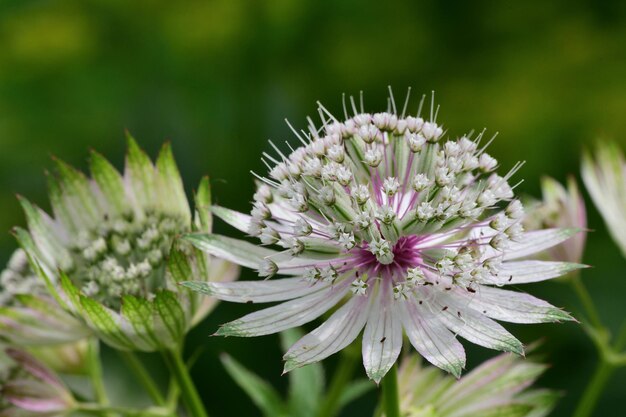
<point>587,302</point>
<point>143,377</point>
<point>391,400</point>
<point>341,377</point>
<point>100,410</point>
<point>188,390</point>
<point>594,389</point>
<point>95,373</point>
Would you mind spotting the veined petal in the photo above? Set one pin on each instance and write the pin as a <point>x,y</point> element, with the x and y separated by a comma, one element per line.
<point>237,220</point>
<point>139,175</point>
<point>382,338</point>
<point>233,250</point>
<point>170,185</point>
<point>472,325</point>
<point>523,272</point>
<point>333,335</point>
<point>286,315</point>
<point>537,241</point>
<point>110,182</point>
<point>514,307</point>
<point>257,291</point>
<point>431,338</point>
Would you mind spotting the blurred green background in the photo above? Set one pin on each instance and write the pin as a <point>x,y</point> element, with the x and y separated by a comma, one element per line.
<point>217,78</point>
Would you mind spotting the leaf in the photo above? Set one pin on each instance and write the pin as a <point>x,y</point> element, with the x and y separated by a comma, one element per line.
<point>355,390</point>
<point>306,385</point>
<point>261,393</point>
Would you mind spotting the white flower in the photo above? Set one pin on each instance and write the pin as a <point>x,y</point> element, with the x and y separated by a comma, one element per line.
<point>605,179</point>
<point>498,387</point>
<point>110,254</point>
<point>427,264</point>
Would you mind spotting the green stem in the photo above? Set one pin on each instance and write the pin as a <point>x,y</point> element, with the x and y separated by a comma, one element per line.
<point>587,302</point>
<point>595,387</point>
<point>341,377</point>
<point>391,399</point>
<point>188,390</point>
<point>100,410</point>
<point>95,373</point>
<point>142,375</point>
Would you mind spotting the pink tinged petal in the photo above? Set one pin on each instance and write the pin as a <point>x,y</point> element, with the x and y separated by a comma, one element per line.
<point>34,367</point>
<point>241,221</point>
<point>522,272</point>
<point>537,241</point>
<point>257,291</point>
<point>430,337</point>
<point>382,338</point>
<point>286,315</point>
<point>472,325</point>
<point>515,307</point>
<point>335,334</point>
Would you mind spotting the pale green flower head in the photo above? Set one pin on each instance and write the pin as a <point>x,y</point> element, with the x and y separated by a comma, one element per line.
<point>109,253</point>
<point>30,389</point>
<point>561,207</point>
<point>605,179</point>
<point>497,388</point>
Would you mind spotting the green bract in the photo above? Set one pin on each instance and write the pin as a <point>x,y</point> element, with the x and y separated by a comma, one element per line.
<point>109,253</point>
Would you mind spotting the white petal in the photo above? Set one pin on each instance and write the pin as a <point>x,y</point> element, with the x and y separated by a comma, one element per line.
<point>237,220</point>
<point>430,336</point>
<point>472,325</point>
<point>515,307</point>
<point>522,272</point>
<point>537,241</point>
<point>238,251</point>
<point>333,335</point>
<point>382,338</point>
<point>257,291</point>
<point>286,315</point>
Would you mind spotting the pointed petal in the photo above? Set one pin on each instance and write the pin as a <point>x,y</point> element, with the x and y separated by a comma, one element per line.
<point>515,307</point>
<point>170,185</point>
<point>430,337</point>
<point>523,272</point>
<point>237,220</point>
<point>77,191</point>
<point>472,325</point>
<point>139,175</point>
<point>257,291</point>
<point>286,315</point>
<point>537,241</point>
<point>202,200</point>
<point>382,338</point>
<point>238,251</point>
<point>333,335</point>
<point>110,182</point>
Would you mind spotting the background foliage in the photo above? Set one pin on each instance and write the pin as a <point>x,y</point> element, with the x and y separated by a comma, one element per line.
<point>218,77</point>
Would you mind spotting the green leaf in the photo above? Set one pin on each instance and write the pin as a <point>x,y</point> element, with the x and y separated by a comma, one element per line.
<point>110,182</point>
<point>306,384</point>
<point>172,316</point>
<point>261,393</point>
<point>355,390</point>
<point>202,198</point>
<point>233,250</point>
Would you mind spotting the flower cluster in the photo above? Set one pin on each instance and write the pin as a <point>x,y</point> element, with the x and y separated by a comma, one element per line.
<point>110,256</point>
<point>498,387</point>
<point>413,230</point>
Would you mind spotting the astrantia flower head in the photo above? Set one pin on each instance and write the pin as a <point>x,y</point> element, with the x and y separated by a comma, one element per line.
<point>605,179</point>
<point>402,228</point>
<point>498,387</point>
<point>30,389</point>
<point>109,254</point>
